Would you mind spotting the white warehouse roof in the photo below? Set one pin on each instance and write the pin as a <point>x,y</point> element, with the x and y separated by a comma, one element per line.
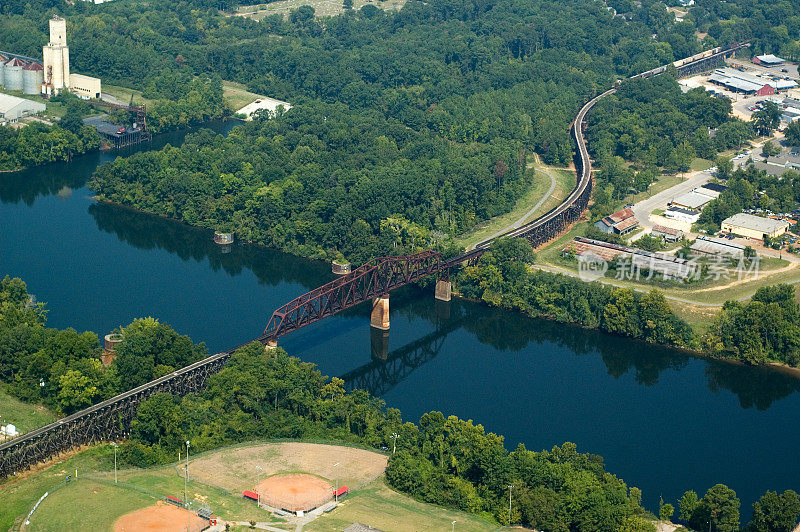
<point>13,108</point>
<point>770,59</point>
<point>270,104</point>
<point>755,223</point>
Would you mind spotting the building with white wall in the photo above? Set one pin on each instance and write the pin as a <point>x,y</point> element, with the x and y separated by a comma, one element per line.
<point>13,108</point>
<point>56,58</point>
<point>85,86</point>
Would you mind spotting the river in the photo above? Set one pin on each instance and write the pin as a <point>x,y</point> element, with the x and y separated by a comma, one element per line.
<point>663,421</point>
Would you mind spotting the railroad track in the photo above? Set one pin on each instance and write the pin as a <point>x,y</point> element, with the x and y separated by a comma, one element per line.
<point>110,419</point>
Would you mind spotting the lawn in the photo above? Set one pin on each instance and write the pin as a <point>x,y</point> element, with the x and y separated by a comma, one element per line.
<point>701,164</point>
<point>322,8</point>
<point>237,95</point>
<point>124,94</point>
<point>24,416</point>
<point>539,186</point>
<point>379,506</point>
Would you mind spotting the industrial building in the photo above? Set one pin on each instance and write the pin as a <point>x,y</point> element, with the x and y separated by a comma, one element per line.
<point>768,60</point>
<point>13,108</point>
<point>269,104</point>
<point>744,82</point>
<point>756,227</point>
<point>56,58</point>
<point>85,86</point>
<point>621,222</point>
<point>639,260</point>
<point>682,215</point>
<point>695,199</point>
<point>668,234</point>
<point>720,247</point>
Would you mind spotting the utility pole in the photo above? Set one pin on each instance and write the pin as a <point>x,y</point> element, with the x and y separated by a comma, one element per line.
<point>336,483</point>
<point>115,461</point>
<point>185,489</point>
<point>394,437</point>
<point>509,502</point>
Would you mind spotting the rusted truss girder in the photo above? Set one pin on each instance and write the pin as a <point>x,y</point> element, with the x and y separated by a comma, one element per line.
<point>375,278</point>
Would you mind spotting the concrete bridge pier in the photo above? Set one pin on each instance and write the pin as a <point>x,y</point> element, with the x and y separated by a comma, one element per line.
<point>443,290</point>
<point>379,319</point>
<point>379,343</point>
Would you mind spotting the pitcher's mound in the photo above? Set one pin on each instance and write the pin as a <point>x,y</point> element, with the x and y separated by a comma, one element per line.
<point>294,492</point>
<point>160,518</point>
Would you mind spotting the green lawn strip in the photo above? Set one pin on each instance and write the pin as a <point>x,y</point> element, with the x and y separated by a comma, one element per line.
<point>381,507</point>
<point>124,94</point>
<point>237,95</point>
<point>24,416</point>
<point>540,185</point>
<point>19,495</point>
<point>701,164</point>
<point>662,183</point>
<point>86,504</point>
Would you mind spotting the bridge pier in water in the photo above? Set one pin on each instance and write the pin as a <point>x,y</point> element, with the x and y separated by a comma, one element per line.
<point>379,318</point>
<point>379,343</point>
<point>444,290</point>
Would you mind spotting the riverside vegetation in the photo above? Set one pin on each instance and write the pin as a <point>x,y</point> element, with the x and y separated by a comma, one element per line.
<point>257,395</point>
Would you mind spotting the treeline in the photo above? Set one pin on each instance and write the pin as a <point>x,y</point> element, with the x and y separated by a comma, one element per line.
<point>502,278</point>
<point>323,181</point>
<point>62,368</point>
<point>37,144</point>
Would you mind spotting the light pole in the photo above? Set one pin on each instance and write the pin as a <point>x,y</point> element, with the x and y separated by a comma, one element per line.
<point>394,437</point>
<point>454,526</point>
<point>185,489</point>
<point>336,483</point>
<point>115,461</point>
<point>509,502</point>
<point>257,482</point>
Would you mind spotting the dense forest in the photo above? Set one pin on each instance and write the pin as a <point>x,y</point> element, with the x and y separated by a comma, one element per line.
<point>263,395</point>
<point>460,94</point>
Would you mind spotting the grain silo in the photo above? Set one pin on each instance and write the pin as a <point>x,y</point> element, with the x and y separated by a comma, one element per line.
<point>3,61</point>
<point>12,74</point>
<point>32,78</point>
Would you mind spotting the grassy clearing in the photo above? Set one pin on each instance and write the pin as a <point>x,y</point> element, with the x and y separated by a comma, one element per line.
<point>539,186</point>
<point>701,164</point>
<point>322,8</point>
<point>125,95</point>
<point>662,183</point>
<point>381,507</point>
<point>237,95</point>
<point>24,416</point>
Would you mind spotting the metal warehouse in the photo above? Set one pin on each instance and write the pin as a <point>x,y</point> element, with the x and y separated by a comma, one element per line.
<point>13,108</point>
<point>751,226</point>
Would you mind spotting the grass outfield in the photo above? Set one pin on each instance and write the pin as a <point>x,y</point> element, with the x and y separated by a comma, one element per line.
<point>94,502</point>
<point>24,416</point>
<point>379,506</point>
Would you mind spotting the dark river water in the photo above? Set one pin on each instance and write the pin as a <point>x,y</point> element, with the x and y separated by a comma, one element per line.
<point>664,422</point>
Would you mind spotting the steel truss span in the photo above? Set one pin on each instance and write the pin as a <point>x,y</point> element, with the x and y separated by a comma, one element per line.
<point>111,419</point>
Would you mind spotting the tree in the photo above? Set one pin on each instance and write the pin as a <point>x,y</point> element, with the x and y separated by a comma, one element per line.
<point>76,391</point>
<point>770,150</point>
<point>724,167</point>
<point>775,513</point>
<point>666,511</point>
<point>347,4</point>
<point>767,118</point>
<point>792,133</point>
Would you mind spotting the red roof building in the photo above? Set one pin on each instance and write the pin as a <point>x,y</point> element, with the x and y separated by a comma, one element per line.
<point>620,222</point>
<point>341,491</point>
<point>247,494</point>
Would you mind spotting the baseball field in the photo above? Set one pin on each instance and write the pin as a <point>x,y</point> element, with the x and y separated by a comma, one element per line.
<point>93,501</point>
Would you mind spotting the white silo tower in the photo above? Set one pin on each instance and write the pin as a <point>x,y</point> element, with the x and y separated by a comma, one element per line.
<point>56,56</point>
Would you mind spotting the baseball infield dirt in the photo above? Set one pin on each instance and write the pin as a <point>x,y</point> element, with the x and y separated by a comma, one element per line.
<point>243,468</point>
<point>158,518</point>
<point>294,492</point>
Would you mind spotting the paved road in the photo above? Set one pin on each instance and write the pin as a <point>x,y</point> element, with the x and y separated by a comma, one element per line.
<point>519,223</point>
<point>644,208</point>
<point>112,99</point>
